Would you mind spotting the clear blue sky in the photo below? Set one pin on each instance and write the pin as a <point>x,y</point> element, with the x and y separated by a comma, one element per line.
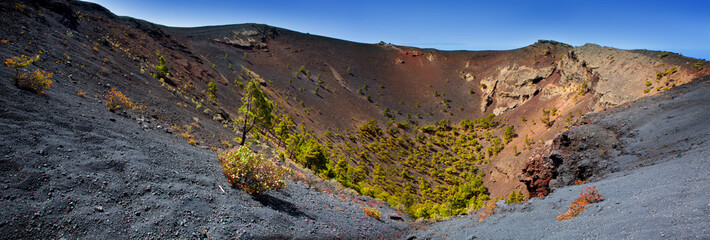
<point>677,26</point>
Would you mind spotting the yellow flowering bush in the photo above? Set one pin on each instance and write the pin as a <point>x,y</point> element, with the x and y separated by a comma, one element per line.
<point>36,81</point>
<point>116,100</point>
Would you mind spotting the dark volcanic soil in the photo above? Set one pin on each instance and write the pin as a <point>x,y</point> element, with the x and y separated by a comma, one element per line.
<point>72,169</point>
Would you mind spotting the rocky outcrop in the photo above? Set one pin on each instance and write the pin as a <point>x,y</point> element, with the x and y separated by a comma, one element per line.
<point>543,166</point>
<point>250,38</point>
<point>468,77</point>
<point>577,155</point>
<point>538,172</point>
<point>513,86</point>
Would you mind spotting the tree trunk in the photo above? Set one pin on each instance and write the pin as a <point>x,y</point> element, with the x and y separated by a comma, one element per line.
<point>244,138</point>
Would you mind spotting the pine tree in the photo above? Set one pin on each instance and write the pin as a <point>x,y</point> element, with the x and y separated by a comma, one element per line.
<point>256,110</point>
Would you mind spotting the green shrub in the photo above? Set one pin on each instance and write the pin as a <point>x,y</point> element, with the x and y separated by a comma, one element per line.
<point>546,120</point>
<point>582,88</point>
<point>162,69</point>
<point>240,84</point>
<point>443,125</point>
<point>312,155</point>
<point>250,171</point>
<point>670,71</point>
<point>698,65</point>
<point>509,134</point>
<point>466,125</point>
<point>514,197</point>
<point>486,122</point>
<point>370,129</point>
<point>495,147</point>
<point>467,196</point>
<point>211,91</point>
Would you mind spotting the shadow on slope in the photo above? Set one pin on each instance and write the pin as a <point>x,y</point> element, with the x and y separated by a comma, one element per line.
<point>281,206</point>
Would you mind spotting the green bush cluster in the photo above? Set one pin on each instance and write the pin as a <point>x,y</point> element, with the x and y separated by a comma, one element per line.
<point>698,65</point>
<point>460,200</point>
<point>514,197</point>
<point>582,89</point>
<point>439,152</point>
<point>487,122</point>
<point>546,117</point>
<point>309,153</point>
<point>250,171</point>
<point>668,72</point>
<point>429,171</point>
<point>509,134</point>
<point>370,130</point>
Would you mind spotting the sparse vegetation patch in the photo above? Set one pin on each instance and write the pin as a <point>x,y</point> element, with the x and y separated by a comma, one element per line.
<point>116,100</point>
<point>36,81</point>
<point>372,212</point>
<point>250,171</point>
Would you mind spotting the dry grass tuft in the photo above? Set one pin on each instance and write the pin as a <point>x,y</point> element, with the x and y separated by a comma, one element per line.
<point>372,212</point>
<point>116,100</point>
<point>487,210</point>
<point>590,195</point>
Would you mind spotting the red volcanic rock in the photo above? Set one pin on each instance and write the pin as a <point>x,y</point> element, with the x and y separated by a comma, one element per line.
<point>542,167</point>
<point>538,172</point>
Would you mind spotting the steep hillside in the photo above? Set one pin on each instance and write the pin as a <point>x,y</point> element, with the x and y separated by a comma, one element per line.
<point>384,117</point>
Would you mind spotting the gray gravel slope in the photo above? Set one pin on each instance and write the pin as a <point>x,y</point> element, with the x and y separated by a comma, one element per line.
<point>71,169</point>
